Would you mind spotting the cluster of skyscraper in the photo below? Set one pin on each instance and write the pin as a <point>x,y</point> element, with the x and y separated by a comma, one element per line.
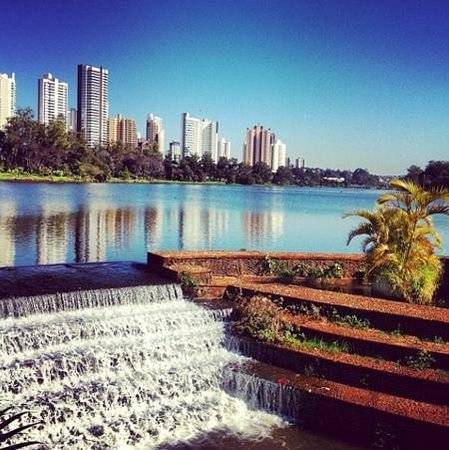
<point>91,120</point>
<point>261,145</point>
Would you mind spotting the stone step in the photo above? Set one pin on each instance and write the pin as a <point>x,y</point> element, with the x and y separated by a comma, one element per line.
<point>360,371</point>
<point>374,343</point>
<point>418,320</point>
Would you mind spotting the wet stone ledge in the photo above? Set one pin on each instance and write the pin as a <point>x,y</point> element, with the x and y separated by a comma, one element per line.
<point>58,278</point>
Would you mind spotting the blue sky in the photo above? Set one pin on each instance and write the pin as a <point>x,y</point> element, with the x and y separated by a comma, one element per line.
<point>347,84</point>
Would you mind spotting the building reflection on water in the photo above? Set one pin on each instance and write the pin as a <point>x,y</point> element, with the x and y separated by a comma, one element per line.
<point>52,233</point>
<point>98,231</point>
<point>260,225</point>
<point>200,227</point>
<point>8,213</point>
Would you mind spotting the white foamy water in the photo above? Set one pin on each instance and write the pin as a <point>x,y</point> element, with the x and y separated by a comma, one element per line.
<point>129,368</point>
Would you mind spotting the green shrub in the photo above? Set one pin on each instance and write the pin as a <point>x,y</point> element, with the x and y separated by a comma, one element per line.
<point>260,318</point>
<point>189,284</point>
<point>400,241</point>
<point>287,274</point>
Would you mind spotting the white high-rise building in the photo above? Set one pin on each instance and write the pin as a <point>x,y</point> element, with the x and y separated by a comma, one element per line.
<point>7,97</point>
<point>278,155</point>
<point>223,148</point>
<point>199,136</point>
<point>73,116</point>
<point>93,104</point>
<point>174,150</point>
<point>261,145</point>
<point>52,99</point>
<point>300,163</point>
<point>156,132</point>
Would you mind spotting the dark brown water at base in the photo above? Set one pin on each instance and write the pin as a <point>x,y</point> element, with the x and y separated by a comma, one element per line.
<point>288,438</point>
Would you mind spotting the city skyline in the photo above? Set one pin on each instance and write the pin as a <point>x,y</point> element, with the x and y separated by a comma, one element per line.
<point>347,85</point>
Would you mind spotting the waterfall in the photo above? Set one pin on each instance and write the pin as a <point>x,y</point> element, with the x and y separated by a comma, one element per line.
<point>38,304</point>
<point>136,367</point>
<point>244,381</point>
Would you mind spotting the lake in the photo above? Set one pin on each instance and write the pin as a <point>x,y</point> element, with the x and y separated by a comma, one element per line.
<point>52,223</point>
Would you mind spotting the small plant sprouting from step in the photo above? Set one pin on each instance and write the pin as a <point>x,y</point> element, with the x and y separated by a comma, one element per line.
<point>332,347</point>
<point>311,310</point>
<point>438,340</point>
<point>189,284</point>
<point>310,371</point>
<point>352,320</point>
<point>397,332</point>
<point>8,420</point>
<point>364,380</point>
<point>421,361</point>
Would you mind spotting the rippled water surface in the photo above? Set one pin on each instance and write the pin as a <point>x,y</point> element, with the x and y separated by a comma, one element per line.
<point>49,223</point>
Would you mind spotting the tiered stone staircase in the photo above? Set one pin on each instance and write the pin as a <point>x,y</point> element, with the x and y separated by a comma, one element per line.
<point>378,366</point>
<point>370,370</point>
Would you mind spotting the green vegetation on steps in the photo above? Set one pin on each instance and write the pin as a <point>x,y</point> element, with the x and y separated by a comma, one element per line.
<point>286,272</point>
<point>189,284</point>
<point>262,319</point>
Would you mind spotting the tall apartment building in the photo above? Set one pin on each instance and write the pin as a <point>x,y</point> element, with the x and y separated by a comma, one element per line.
<point>300,163</point>
<point>174,150</point>
<point>52,99</point>
<point>199,136</point>
<point>257,146</point>
<point>93,104</point>
<point>72,119</point>
<point>122,129</point>
<point>278,155</point>
<point>156,132</point>
<point>261,145</point>
<point>223,148</point>
<point>7,97</point>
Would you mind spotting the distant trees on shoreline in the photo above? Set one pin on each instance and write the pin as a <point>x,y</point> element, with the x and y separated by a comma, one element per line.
<point>29,147</point>
<point>436,173</point>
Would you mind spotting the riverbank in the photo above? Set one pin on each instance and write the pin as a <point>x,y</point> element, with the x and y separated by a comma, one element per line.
<point>61,179</point>
<point>65,179</point>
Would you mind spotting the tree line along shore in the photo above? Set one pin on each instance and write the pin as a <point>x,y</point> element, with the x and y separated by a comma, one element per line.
<point>34,152</point>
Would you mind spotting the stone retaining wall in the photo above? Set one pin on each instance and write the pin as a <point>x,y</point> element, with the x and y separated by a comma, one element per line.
<point>230,263</point>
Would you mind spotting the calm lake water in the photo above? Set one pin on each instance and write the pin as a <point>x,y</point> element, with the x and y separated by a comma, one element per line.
<point>50,223</point>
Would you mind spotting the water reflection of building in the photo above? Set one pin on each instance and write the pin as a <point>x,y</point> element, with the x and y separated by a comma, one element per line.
<point>97,229</point>
<point>216,223</point>
<point>52,234</point>
<point>262,225</point>
<point>153,225</point>
<point>200,227</point>
<point>8,213</point>
<point>189,226</point>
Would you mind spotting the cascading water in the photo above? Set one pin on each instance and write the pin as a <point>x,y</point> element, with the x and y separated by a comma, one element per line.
<point>135,367</point>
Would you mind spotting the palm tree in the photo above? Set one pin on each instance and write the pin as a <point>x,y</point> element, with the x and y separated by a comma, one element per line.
<point>6,435</point>
<point>401,239</point>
